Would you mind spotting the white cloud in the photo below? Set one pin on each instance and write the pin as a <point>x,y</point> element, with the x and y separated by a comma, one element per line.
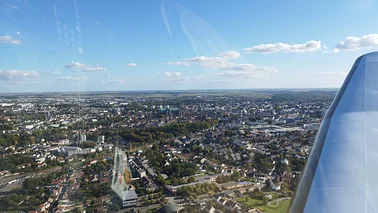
<point>178,63</point>
<point>355,43</point>
<point>186,78</point>
<point>223,62</point>
<point>230,54</point>
<point>132,64</point>
<point>309,46</point>
<point>84,67</point>
<point>107,74</point>
<point>167,74</point>
<point>9,40</point>
<point>118,81</point>
<point>177,76</point>
<point>335,50</point>
<point>69,78</point>
<point>9,75</point>
<point>75,65</point>
<point>170,74</point>
<point>96,68</point>
<point>238,74</point>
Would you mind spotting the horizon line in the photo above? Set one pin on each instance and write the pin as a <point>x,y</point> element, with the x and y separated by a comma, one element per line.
<point>171,90</point>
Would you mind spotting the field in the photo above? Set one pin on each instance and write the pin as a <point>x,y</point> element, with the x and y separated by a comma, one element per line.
<point>253,203</point>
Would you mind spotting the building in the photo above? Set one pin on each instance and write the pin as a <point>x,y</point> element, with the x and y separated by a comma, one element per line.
<point>129,198</point>
<point>122,178</point>
<point>101,139</point>
<point>170,111</point>
<point>83,138</point>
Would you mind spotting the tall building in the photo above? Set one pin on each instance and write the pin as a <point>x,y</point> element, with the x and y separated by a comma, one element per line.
<point>122,178</point>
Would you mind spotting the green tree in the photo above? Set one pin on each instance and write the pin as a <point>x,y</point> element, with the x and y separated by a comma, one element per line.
<point>268,185</point>
<point>265,200</point>
<point>78,210</point>
<point>114,208</point>
<point>174,181</point>
<point>191,179</point>
<point>235,176</point>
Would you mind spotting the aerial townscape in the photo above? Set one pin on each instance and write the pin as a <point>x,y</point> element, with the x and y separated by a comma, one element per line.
<point>188,106</point>
<point>156,151</point>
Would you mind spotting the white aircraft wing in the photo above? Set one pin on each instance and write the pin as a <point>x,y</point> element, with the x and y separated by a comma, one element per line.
<point>341,174</point>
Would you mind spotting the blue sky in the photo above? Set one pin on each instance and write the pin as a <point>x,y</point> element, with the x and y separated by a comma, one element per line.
<point>172,45</point>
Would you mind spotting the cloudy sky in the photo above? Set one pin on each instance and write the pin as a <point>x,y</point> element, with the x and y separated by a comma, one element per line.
<point>173,45</point>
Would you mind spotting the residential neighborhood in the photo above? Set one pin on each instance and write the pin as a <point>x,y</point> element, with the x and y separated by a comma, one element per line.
<point>190,151</point>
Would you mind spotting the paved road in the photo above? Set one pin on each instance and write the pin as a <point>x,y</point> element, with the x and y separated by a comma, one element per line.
<point>6,187</point>
<point>141,209</point>
<point>276,202</point>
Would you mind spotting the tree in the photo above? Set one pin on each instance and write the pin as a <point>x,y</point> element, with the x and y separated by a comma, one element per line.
<point>163,200</point>
<point>160,180</point>
<point>262,163</point>
<point>174,181</point>
<point>191,179</point>
<point>235,176</point>
<point>114,208</point>
<point>145,201</point>
<point>265,200</point>
<point>78,210</point>
<point>268,185</point>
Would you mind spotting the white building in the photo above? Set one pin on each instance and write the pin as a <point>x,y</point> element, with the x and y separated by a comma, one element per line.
<point>101,139</point>
<point>83,138</point>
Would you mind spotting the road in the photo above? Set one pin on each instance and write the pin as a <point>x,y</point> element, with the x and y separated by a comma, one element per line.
<point>5,187</point>
<point>276,202</point>
<point>177,201</point>
<point>141,209</point>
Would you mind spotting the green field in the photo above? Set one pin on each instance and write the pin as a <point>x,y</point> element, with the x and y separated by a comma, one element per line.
<point>168,181</point>
<point>253,203</point>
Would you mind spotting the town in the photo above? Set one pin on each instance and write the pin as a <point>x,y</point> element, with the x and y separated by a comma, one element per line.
<point>187,151</point>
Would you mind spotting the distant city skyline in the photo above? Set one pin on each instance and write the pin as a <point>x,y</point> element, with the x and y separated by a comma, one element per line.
<point>63,46</point>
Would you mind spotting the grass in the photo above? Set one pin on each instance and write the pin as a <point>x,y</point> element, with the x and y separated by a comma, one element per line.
<point>282,208</point>
<point>152,210</point>
<point>168,181</point>
<point>253,203</point>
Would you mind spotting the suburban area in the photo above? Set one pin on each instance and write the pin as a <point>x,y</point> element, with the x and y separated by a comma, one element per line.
<point>187,151</point>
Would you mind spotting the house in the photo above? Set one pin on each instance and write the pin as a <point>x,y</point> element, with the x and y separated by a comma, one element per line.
<point>276,187</point>
<point>222,201</point>
<point>216,198</point>
<point>142,173</point>
<point>232,206</point>
<point>209,209</point>
<point>41,208</point>
<point>50,200</point>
